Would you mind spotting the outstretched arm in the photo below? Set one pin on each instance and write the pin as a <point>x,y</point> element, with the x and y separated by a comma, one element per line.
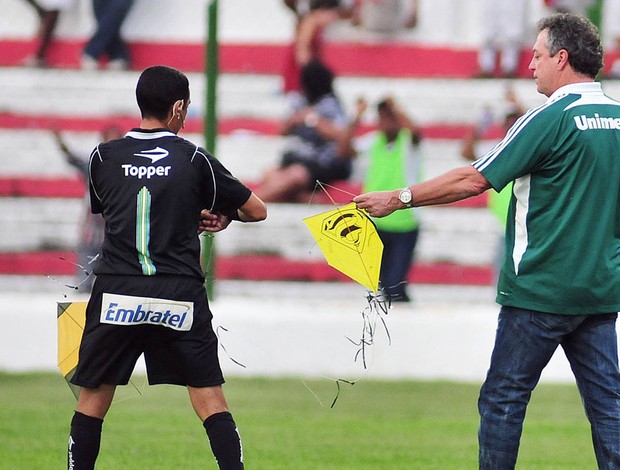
<point>452,186</point>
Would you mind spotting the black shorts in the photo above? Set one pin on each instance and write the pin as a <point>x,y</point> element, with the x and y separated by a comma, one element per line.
<point>337,169</point>
<point>108,352</point>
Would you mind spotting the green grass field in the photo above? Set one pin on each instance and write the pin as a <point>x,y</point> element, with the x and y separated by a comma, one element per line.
<point>374,425</point>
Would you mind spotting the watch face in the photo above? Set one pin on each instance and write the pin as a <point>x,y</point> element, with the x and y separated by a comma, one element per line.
<point>405,196</point>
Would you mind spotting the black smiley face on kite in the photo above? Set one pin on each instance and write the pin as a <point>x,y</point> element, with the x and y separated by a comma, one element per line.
<point>350,243</point>
<point>345,228</point>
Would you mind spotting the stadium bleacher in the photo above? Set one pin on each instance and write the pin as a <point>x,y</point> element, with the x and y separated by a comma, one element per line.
<point>41,196</point>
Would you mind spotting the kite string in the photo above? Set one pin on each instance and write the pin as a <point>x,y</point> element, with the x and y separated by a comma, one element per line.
<point>221,343</point>
<point>376,305</point>
<point>369,325</point>
<point>85,271</point>
<point>375,311</point>
<point>323,186</point>
<point>139,389</point>
<point>274,353</point>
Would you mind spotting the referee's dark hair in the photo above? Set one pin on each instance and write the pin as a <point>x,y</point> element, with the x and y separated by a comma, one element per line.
<point>577,36</point>
<point>158,88</point>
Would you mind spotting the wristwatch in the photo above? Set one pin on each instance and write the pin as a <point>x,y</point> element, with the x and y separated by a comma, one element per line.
<point>406,197</point>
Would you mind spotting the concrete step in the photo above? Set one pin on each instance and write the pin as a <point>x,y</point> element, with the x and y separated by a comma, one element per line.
<point>30,224</point>
<point>91,94</point>
<point>246,155</point>
<point>94,93</point>
<point>61,267</point>
<point>465,236</point>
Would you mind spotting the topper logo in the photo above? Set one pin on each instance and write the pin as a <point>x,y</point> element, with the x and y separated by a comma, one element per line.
<point>154,155</point>
<point>145,171</point>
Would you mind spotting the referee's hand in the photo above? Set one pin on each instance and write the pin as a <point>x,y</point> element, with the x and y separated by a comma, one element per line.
<point>212,221</point>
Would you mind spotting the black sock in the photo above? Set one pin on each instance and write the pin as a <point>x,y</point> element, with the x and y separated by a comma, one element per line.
<point>225,440</point>
<point>84,442</point>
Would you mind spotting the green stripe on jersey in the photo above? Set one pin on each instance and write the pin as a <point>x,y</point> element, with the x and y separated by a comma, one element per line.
<point>143,231</point>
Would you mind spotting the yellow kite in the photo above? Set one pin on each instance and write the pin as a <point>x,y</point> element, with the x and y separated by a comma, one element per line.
<point>350,243</point>
<point>71,320</point>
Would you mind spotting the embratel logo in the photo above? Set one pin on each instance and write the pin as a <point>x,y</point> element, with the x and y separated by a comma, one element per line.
<point>127,310</point>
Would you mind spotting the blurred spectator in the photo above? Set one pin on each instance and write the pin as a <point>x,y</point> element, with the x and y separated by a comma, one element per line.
<point>92,225</point>
<point>577,7</point>
<point>472,148</point>
<point>312,131</point>
<point>107,41</point>
<point>48,12</point>
<point>611,26</point>
<point>504,28</point>
<point>390,158</point>
<point>313,16</point>
<point>385,16</point>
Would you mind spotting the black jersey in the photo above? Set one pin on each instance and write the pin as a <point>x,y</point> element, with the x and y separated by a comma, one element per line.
<point>150,187</point>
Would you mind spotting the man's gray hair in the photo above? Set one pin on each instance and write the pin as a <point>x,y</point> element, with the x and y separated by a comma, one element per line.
<point>577,36</point>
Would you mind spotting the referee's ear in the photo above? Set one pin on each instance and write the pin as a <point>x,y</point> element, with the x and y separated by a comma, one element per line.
<point>177,107</point>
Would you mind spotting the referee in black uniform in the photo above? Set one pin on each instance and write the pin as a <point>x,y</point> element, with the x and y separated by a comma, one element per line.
<point>154,189</point>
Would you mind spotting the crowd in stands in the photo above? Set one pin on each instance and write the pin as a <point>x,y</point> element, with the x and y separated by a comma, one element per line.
<point>315,127</point>
<point>504,29</point>
<point>105,44</point>
<point>48,12</point>
<point>322,142</point>
<point>313,16</point>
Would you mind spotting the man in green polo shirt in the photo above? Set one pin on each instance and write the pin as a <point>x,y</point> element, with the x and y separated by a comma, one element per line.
<point>560,280</point>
